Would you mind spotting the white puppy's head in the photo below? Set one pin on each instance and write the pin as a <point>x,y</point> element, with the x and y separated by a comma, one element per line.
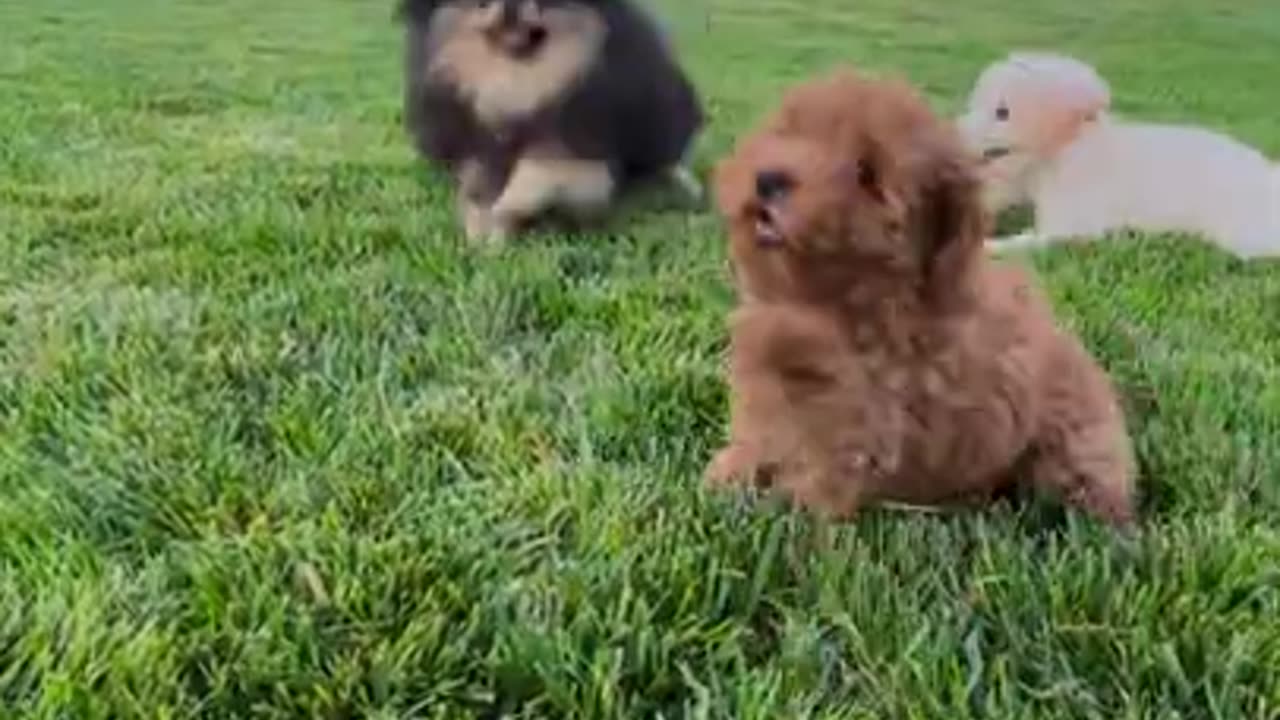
<point>1024,110</point>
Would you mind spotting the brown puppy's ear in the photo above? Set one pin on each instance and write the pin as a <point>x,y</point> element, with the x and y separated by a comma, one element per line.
<point>872,174</point>
<point>953,226</point>
<point>869,177</point>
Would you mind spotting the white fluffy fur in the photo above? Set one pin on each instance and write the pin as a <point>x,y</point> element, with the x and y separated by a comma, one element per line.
<point>1275,198</point>
<point>1088,173</point>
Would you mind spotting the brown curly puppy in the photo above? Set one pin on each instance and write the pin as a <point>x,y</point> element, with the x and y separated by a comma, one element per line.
<point>878,354</point>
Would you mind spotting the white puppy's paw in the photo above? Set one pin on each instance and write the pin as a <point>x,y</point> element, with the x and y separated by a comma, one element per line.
<point>1021,241</point>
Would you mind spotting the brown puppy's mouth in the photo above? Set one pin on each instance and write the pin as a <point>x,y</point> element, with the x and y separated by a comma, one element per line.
<point>767,232</point>
<point>772,187</point>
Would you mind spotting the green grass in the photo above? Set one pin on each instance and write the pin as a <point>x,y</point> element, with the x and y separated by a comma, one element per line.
<point>275,442</point>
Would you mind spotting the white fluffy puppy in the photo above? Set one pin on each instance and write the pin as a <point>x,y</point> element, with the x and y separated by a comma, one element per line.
<point>1042,125</point>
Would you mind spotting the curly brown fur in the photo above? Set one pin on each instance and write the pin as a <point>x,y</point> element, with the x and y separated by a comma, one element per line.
<point>877,353</point>
<point>543,105</point>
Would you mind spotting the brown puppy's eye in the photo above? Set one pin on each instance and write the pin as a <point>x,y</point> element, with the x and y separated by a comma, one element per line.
<point>765,227</point>
<point>1002,113</point>
<point>772,184</point>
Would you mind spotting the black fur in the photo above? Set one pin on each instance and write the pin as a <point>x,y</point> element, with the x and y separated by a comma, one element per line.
<point>635,109</point>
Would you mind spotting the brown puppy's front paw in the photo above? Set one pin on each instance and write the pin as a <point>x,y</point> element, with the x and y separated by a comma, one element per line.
<point>736,466</point>
<point>1108,500</point>
<point>831,496</point>
<point>824,503</point>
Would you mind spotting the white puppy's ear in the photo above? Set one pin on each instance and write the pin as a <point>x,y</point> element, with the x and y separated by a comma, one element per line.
<point>1086,94</point>
<point>1078,96</point>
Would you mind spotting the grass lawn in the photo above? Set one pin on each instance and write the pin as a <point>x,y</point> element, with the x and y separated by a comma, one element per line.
<point>275,442</point>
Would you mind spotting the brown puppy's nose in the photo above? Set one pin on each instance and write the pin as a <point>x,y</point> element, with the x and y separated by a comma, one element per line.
<point>772,184</point>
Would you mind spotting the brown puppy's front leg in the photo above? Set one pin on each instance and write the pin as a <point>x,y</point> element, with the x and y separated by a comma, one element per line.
<point>763,433</point>
<point>1082,450</point>
<point>851,444</point>
<point>1090,468</point>
<point>796,415</point>
<point>831,486</point>
<point>758,435</point>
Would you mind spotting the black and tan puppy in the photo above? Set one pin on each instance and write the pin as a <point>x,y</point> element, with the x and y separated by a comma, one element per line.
<point>544,105</point>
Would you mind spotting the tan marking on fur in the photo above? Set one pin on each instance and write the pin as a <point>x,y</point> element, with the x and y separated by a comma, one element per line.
<point>500,88</point>
<point>477,221</point>
<point>470,178</point>
<point>472,214</point>
<point>540,182</point>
